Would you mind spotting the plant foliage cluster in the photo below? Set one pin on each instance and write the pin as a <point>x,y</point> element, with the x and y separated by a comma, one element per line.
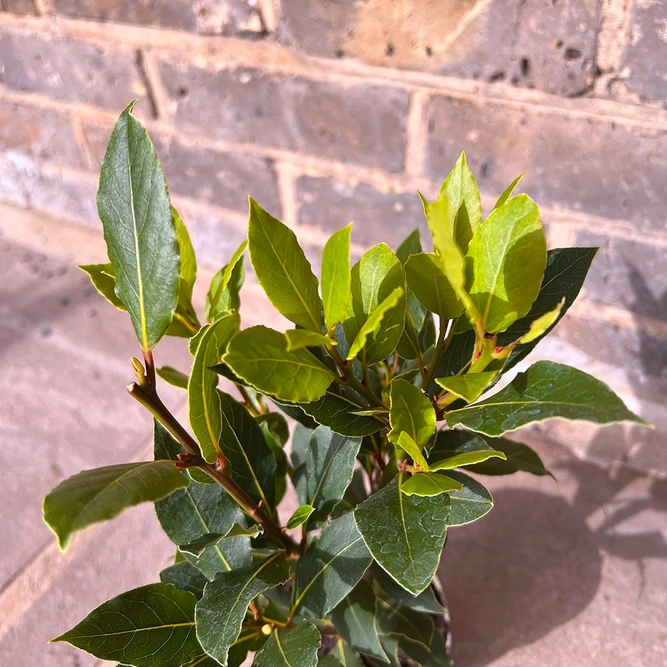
<point>382,353</point>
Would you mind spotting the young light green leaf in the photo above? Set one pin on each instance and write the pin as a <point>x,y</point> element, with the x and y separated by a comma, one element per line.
<point>103,278</point>
<point>505,263</point>
<point>220,612</point>
<point>188,272</point>
<point>148,626</point>
<point>425,602</point>
<point>470,386</point>
<point>428,484</point>
<point>299,517</point>
<point>336,277</point>
<point>466,459</point>
<point>290,647</point>
<point>405,534</point>
<point>203,399</point>
<point>426,278</point>
<point>259,355</point>
<point>354,620</point>
<point>211,540</point>
<point>372,324</point>
<point>410,412</point>
<point>542,324</point>
<point>220,297</point>
<point>408,445</point>
<point>97,495</point>
<point>173,376</point>
<point>546,390</point>
<point>331,567</point>
<point>329,465</point>
<point>411,245</point>
<point>300,338</point>
<point>283,270</point>
<point>471,502</point>
<point>507,193</point>
<point>139,230</point>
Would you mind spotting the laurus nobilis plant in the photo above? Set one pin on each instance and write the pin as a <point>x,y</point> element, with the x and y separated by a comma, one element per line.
<point>384,373</point>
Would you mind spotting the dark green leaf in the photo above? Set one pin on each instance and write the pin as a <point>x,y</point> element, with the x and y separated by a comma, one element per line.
<point>186,577</point>
<point>173,376</point>
<point>150,626</point>
<point>426,278</point>
<point>428,484</point>
<point>340,415</point>
<point>520,457</point>
<point>223,294</point>
<point>405,534</point>
<point>283,270</point>
<point>455,358</point>
<point>544,391</point>
<point>133,204</point>
<point>212,540</point>
<point>277,426</point>
<point>336,277</point>
<point>342,654</point>
<point>259,355</point>
<point>97,495</point>
<point>411,246</point>
<point>411,412</point>
<point>290,647</point>
<point>103,278</point>
<point>425,602</point>
<point>471,502</point>
<point>331,566</point>
<point>299,517</point>
<point>220,612</point>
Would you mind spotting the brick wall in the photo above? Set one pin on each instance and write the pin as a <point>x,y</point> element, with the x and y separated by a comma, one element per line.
<point>334,110</point>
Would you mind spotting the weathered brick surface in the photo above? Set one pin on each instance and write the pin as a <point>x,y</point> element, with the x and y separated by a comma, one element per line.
<point>364,124</point>
<point>594,166</point>
<point>377,216</point>
<point>39,133</point>
<point>68,69</point>
<point>209,17</point>
<point>23,7</point>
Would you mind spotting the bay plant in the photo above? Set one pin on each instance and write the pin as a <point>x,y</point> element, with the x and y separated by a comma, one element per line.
<point>383,392</point>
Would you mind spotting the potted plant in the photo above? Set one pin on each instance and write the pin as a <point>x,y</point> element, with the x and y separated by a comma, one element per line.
<point>383,376</point>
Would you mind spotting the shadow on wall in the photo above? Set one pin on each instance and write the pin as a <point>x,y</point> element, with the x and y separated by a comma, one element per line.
<point>535,563</point>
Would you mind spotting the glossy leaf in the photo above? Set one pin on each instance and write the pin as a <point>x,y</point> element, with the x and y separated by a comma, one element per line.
<point>173,376</point>
<point>469,386</point>
<point>329,465</point>
<point>97,495</point>
<point>354,620</point>
<point>103,278</point>
<point>466,459</point>
<point>410,412</point>
<point>546,390</point>
<point>186,577</point>
<point>505,263</point>
<point>341,415</point>
<point>425,602</point>
<point>405,534</point>
<point>299,338</point>
<point>259,355</point>
<point>212,540</point>
<point>374,277</point>
<point>283,270</point>
<point>299,517</point>
<point>139,230</point>
<point>456,358</point>
<point>471,502</point>
<point>520,457</point>
<point>508,191</point>
<point>220,612</point>
<point>409,446</point>
<point>374,322</point>
<point>411,245</point>
<point>203,399</point>
<point>426,277</point>
<point>148,626</point>
<point>427,484</point>
<point>223,292</point>
<point>290,647</point>
<point>330,567</point>
<point>336,277</point>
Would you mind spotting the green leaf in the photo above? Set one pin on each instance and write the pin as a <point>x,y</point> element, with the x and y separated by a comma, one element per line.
<point>173,377</point>
<point>299,338</point>
<point>188,268</point>
<point>290,647</point>
<point>425,602</point>
<point>336,277</point>
<point>277,426</point>
<point>546,390</point>
<point>299,517</point>
<point>203,399</point>
<point>212,540</point>
<point>342,654</point>
<point>411,246</point>
<point>283,270</point>
<point>97,495</point>
<point>220,612</point>
<point>328,469</point>
<point>507,193</point>
<point>407,444</point>
<point>471,502</point>
<point>427,484</point>
<point>148,626</point>
<point>520,457</point>
<point>259,355</point>
<point>410,412</point>
<point>253,464</point>
<point>456,358</point>
<point>186,577</point>
<point>372,325</point>
<point>103,278</point>
<point>466,459</point>
<point>223,294</point>
<point>139,230</point>
<point>427,279</point>
<point>374,277</point>
<point>331,566</point>
<point>470,386</point>
<point>405,534</point>
<point>506,262</point>
<point>354,620</point>
<point>541,325</point>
